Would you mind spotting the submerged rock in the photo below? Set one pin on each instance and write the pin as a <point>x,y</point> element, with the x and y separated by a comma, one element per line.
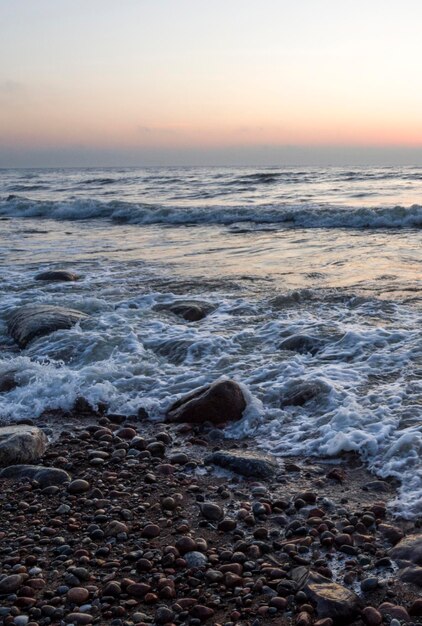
<point>45,476</point>
<point>57,275</point>
<point>21,444</point>
<point>36,320</point>
<point>245,463</point>
<point>220,402</point>
<point>408,549</point>
<point>331,599</point>
<point>301,343</point>
<point>8,381</point>
<point>191,311</point>
<point>302,391</point>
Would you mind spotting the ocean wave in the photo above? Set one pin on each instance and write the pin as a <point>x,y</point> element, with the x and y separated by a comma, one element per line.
<point>286,215</point>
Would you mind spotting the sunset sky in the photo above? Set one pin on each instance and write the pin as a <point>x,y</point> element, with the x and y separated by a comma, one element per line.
<point>118,82</point>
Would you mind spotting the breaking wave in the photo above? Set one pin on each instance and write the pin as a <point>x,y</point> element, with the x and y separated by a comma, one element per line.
<point>286,215</point>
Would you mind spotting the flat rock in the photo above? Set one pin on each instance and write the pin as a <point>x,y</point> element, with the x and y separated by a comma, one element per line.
<point>300,392</point>
<point>301,343</point>
<point>189,310</point>
<point>248,464</point>
<point>21,444</point>
<point>408,549</point>
<point>57,275</point>
<point>331,599</point>
<point>36,320</point>
<point>45,476</point>
<point>220,402</point>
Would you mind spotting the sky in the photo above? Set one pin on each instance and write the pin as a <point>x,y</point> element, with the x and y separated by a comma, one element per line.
<point>213,82</point>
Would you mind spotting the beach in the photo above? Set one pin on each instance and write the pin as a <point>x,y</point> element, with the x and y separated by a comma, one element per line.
<point>297,292</point>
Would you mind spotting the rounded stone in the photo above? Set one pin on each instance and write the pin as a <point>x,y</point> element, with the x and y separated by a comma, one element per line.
<point>78,486</point>
<point>195,559</point>
<point>78,595</point>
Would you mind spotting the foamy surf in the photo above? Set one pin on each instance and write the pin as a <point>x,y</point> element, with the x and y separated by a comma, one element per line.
<point>285,215</point>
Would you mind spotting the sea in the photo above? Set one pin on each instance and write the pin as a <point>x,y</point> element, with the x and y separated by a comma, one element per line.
<point>332,255</point>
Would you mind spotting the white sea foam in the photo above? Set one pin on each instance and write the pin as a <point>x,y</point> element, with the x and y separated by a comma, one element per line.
<point>266,282</point>
<point>286,215</point>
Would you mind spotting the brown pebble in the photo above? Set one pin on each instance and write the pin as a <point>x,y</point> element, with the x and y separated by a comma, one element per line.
<point>150,531</point>
<point>371,616</point>
<point>78,595</point>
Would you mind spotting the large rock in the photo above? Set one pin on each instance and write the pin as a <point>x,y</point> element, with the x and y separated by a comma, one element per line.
<point>220,402</point>
<point>300,392</point>
<point>21,444</point>
<point>57,275</point>
<point>45,476</point>
<point>36,320</point>
<point>412,574</point>
<point>408,549</point>
<point>245,463</point>
<point>301,343</point>
<point>190,310</point>
<point>330,599</point>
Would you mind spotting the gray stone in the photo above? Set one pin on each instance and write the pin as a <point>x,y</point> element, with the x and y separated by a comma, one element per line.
<point>45,476</point>
<point>21,444</point>
<point>10,584</point>
<point>195,559</point>
<point>249,464</point>
<point>36,320</point>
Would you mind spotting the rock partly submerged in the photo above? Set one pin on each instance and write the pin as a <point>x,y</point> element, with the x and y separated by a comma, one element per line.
<point>189,310</point>
<point>223,401</point>
<point>36,320</point>
<point>21,444</point>
<point>57,275</point>
<point>249,464</point>
<point>303,344</point>
<point>300,392</point>
<point>45,476</point>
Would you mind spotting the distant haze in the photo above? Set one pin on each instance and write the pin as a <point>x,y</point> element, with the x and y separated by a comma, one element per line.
<point>185,82</point>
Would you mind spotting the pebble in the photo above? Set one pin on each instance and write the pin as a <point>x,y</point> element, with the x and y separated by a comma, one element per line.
<point>78,486</point>
<point>195,559</point>
<point>212,511</point>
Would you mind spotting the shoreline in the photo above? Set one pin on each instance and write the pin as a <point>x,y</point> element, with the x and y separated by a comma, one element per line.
<point>147,534</point>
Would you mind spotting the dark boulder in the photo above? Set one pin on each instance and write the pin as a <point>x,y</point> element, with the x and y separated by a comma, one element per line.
<point>36,320</point>
<point>408,549</point>
<point>8,381</point>
<point>330,599</point>
<point>57,275</point>
<point>223,401</point>
<point>300,392</point>
<point>45,476</point>
<point>191,311</point>
<point>248,464</point>
<point>303,344</point>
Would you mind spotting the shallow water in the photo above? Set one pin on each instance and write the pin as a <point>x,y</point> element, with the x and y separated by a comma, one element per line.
<point>332,271</point>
